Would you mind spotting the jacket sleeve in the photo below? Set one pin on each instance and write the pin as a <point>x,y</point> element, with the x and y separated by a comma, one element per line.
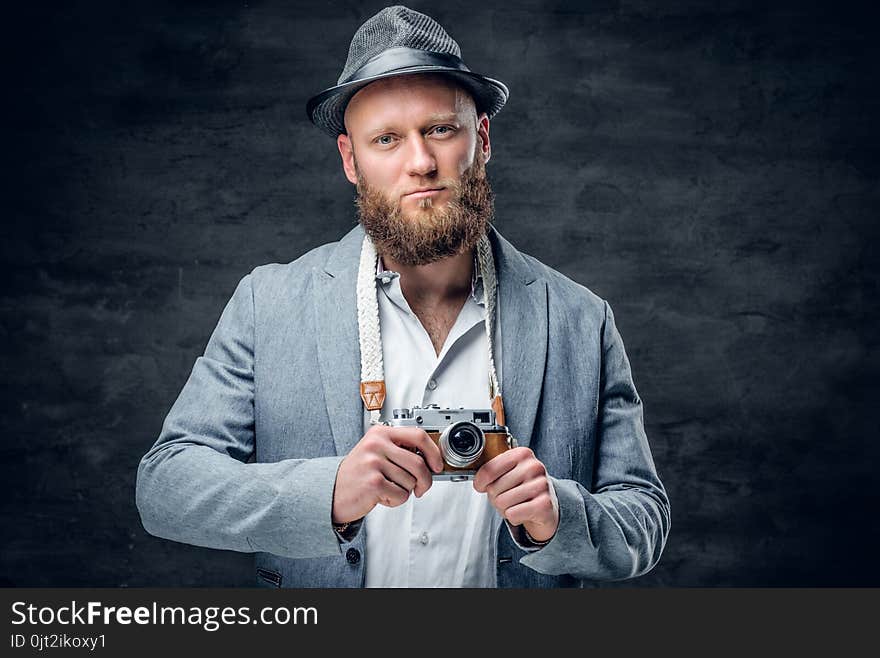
<point>195,484</point>
<point>619,529</point>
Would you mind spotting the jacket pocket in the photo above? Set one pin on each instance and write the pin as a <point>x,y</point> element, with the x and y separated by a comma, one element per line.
<point>269,577</point>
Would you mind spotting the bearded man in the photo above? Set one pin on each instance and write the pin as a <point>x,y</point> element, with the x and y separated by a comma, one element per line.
<point>300,434</point>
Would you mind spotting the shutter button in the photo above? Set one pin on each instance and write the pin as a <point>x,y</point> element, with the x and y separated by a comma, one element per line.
<point>353,555</point>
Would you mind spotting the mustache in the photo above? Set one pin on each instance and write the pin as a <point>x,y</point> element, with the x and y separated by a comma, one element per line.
<point>393,198</point>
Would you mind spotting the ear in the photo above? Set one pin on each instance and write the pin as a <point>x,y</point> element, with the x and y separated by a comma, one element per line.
<point>343,142</point>
<point>483,136</point>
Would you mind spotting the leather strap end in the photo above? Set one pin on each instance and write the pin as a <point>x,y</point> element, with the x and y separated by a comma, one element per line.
<point>373,394</point>
<point>498,408</point>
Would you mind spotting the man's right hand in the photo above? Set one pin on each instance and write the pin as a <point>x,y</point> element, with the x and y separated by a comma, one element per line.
<point>383,468</point>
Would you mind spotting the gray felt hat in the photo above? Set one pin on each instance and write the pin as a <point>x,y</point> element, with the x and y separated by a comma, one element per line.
<point>399,41</point>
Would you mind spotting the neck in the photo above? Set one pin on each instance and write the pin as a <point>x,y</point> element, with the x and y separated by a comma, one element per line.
<point>442,281</point>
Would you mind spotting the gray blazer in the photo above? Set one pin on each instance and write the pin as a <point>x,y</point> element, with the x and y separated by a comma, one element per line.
<point>247,457</point>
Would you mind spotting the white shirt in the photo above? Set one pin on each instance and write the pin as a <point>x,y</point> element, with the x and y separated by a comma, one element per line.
<point>446,538</point>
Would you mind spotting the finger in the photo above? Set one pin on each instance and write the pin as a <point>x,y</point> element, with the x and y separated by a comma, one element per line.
<point>524,471</point>
<point>496,467</point>
<point>522,493</point>
<point>392,495</point>
<point>538,509</point>
<point>417,439</point>
<point>397,475</point>
<point>414,465</point>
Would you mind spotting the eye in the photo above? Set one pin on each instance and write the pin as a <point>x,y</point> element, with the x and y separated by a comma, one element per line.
<point>384,140</point>
<point>443,130</point>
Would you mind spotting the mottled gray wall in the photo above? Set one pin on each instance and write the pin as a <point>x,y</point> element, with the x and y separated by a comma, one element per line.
<point>709,168</point>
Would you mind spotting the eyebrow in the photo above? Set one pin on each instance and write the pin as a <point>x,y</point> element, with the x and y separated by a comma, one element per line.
<point>445,117</point>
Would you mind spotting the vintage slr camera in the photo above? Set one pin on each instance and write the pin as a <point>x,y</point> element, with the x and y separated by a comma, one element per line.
<point>467,438</point>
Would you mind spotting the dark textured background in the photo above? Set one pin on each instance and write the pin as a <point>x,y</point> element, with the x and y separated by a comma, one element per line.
<point>709,168</point>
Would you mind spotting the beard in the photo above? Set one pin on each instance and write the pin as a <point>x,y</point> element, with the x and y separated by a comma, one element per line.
<point>428,234</point>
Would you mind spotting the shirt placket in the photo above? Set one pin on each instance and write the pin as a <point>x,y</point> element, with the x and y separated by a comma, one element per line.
<point>423,526</point>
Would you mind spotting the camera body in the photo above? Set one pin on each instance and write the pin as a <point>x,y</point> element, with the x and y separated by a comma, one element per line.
<point>467,438</point>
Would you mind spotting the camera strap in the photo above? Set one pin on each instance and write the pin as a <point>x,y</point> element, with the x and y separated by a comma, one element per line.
<point>370,336</point>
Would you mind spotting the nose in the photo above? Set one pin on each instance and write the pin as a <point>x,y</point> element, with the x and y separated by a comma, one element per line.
<point>421,159</point>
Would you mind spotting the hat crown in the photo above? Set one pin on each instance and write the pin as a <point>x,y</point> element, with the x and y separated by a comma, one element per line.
<point>393,27</point>
<point>400,41</point>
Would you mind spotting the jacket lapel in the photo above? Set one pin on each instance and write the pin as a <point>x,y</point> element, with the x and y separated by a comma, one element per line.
<point>523,315</point>
<point>336,335</point>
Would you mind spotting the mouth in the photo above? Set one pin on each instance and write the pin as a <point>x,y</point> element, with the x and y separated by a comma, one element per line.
<point>419,194</point>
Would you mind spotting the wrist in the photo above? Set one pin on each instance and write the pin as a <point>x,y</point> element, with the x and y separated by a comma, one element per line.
<point>539,535</point>
<point>536,542</point>
<point>347,530</point>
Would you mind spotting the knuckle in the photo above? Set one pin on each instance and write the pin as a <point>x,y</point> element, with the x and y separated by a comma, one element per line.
<point>538,483</point>
<point>370,441</point>
<point>535,469</point>
<point>544,503</point>
<point>376,431</point>
<point>372,461</point>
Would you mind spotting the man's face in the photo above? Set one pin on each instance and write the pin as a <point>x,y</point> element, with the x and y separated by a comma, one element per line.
<point>417,151</point>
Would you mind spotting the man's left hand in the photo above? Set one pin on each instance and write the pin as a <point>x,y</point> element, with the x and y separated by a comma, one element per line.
<point>517,485</point>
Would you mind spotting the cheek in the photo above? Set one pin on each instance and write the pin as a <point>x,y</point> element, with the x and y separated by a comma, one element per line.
<point>382,175</point>
<point>467,160</point>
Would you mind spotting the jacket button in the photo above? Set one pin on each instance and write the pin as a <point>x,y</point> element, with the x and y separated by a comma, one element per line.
<point>353,555</point>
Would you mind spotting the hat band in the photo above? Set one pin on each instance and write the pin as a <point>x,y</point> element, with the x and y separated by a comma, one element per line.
<point>402,57</point>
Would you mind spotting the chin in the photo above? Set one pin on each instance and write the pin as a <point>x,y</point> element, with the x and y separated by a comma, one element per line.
<point>422,214</point>
<point>422,204</point>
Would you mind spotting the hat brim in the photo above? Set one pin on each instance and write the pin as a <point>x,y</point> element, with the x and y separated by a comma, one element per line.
<point>327,109</point>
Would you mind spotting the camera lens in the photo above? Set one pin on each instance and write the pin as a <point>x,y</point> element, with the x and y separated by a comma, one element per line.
<point>461,444</point>
<point>463,440</point>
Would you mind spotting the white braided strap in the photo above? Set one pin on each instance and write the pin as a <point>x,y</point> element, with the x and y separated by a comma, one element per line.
<point>369,336</point>
<point>487,270</point>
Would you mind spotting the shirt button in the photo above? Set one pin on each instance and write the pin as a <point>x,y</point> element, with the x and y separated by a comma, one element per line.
<point>423,538</point>
<point>432,384</point>
<point>386,279</point>
<point>353,555</point>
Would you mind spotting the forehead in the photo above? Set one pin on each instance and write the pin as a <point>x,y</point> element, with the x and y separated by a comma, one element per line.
<point>407,98</point>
